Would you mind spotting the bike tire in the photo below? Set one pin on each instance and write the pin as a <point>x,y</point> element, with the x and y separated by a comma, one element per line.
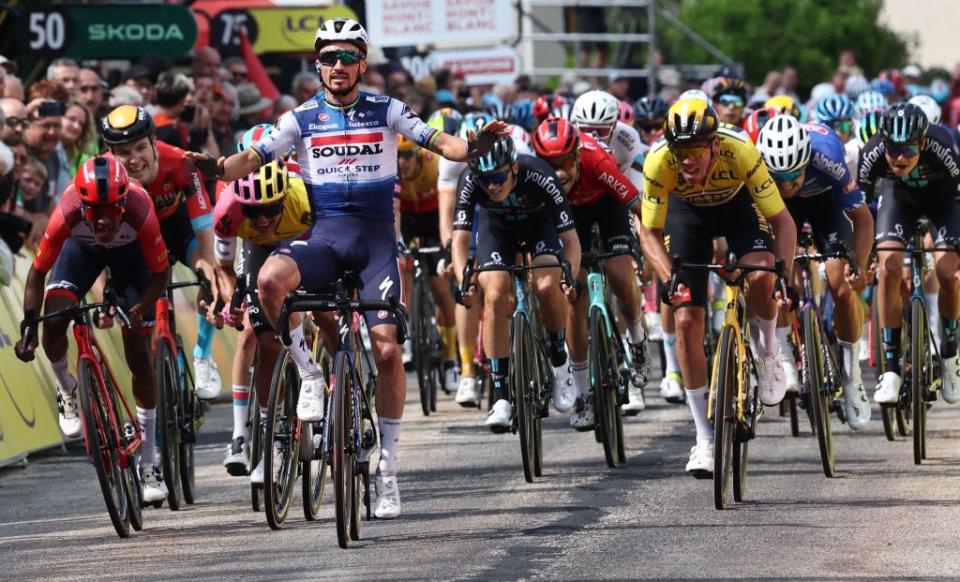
<point>919,352</point>
<point>724,415</point>
<point>544,379</point>
<point>793,413</point>
<point>134,488</point>
<point>522,380</point>
<point>419,335</point>
<point>256,450</point>
<point>313,473</point>
<point>168,423</point>
<point>814,362</point>
<point>191,417</point>
<point>739,469</point>
<point>342,457</point>
<point>600,376</point>
<point>281,428</point>
<point>104,448</point>
<point>888,412</point>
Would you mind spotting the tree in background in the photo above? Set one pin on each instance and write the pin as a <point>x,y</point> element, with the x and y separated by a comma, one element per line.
<point>771,34</point>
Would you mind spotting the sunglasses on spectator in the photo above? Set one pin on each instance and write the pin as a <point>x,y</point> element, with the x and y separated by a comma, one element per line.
<point>907,150</point>
<point>265,210</point>
<point>497,178</point>
<point>733,100</point>
<point>346,57</point>
<point>786,176</point>
<point>601,132</point>
<point>16,122</point>
<point>565,163</point>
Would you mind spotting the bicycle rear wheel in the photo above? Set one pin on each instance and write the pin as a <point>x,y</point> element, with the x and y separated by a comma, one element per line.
<point>919,356</point>
<point>523,379</point>
<point>421,356</point>
<point>820,397</point>
<point>724,415</point>
<point>103,448</point>
<point>342,455</point>
<point>603,387</point>
<point>169,412</point>
<point>313,472</point>
<point>281,443</point>
<point>190,420</point>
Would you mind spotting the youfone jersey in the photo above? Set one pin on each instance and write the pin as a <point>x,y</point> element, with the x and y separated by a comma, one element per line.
<point>139,224</point>
<point>738,165</point>
<point>938,168</point>
<point>450,170</point>
<point>178,182</point>
<point>828,171</point>
<point>347,154</point>
<point>599,174</point>
<point>536,188</point>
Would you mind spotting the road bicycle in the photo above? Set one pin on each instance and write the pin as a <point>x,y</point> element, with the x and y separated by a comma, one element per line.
<point>427,345</point>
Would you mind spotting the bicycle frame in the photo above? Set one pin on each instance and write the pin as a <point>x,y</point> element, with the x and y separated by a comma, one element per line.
<point>733,317</point>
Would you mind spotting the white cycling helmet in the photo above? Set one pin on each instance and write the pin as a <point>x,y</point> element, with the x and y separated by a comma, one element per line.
<point>341,30</point>
<point>929,106</point>
<point>870,101</point>
<point>784,144</point>
<point>696,94</point>
<point>596,109</point>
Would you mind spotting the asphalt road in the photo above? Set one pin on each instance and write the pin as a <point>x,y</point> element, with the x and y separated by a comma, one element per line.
<point>469,515</point>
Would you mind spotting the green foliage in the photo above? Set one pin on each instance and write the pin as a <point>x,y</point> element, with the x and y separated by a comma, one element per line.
<point>771,34</point>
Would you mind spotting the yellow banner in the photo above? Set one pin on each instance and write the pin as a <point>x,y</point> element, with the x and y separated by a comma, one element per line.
<point>292,30</point>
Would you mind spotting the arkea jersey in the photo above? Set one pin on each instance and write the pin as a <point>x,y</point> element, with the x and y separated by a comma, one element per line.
<point>178,182</point>
<point>418,195</point>
<point>230,223</point>
<point>138,224</point>
<point>348,154</point>
<point>535,188</point>
<point>938,167</point>
<point>828,171</point>
<point>599,174</point>
<point>738,164</point>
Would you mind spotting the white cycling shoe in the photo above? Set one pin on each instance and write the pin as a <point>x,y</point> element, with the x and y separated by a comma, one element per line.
<point>238,455</point>
<point>856,405</point>
<point>450,377</point>
<point>654,328</point>
<point>671,388</point>
<point>154,489</point>
<point>310,401</point>
<point>207,377</point>
<point>888,388</point>
<point>636,403</point>
<point>951,380</point>
<point>582,417</point>
<point>771,379</point>
<point>564,389</point>
<point>498,420</point>
<point>700,464</point>
<point>790,373</point>
<point>69,413</point>
<point>468,394</point>
<point>388,497</point>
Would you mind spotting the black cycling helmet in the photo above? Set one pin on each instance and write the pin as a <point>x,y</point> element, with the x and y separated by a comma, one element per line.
<point>502,154</point>
<point>650,109</point>
<point>904,123</point>
<point>125,124</point>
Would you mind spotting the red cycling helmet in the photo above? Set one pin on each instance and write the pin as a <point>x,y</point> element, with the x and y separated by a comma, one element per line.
<point>755,121</point>
<point>545,104</point>
<point>102,181</point>
<point>556,138</point>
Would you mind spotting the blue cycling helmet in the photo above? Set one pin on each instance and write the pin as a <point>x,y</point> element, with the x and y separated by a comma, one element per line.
<point>254,135</point>
<point>523,114</point>
<point>500,111</point>
<point>473,121</point>
<point>651,109</point>
<point>883,86</point>
<point>870,101</point>
<point>869,124</point>
<point>502,153</point>
<point>834,108</point>
<point>904,123</point>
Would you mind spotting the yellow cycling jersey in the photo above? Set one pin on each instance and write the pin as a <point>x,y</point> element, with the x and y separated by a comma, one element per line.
<point>419,194</point>
<point>738,165</point>
<point>295,220</point>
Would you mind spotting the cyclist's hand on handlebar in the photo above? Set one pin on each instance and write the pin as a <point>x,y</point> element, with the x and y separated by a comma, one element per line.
<point>857,281</point>
<point>135,314</point>
<point>103,317</point>
<point>679,295</point>
<point>572,291</point>
<point>24,351</point>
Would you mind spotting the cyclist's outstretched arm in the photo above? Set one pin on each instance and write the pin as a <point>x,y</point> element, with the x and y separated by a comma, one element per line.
<point>655,251</point>
<point>784,237</point>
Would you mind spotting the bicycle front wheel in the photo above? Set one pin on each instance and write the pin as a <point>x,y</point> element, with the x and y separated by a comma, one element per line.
<point>256,449</point>
<point>814,363</point>
<point>190,420</point>
<point>168,423</point>
<point>603,386</point>
<point>282,443</point>
<point>724,415</point>
<point>421,349</point>
<point>342,453</point>
<point>104,448</point>
<point>919,356</point>
<point>522,360</point>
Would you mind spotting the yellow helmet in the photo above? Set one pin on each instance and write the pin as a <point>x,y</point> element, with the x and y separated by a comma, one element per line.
<point>404,144</point>
<point>784,104</point>
<point>264,186</point>
<point>690,121</point>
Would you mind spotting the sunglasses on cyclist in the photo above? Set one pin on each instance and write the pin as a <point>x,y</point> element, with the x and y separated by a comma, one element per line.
<point>565,163</point>
<point>842,125</point>
<point>497,178</point>
<point>690,151</point>
<point>907,150</point>
<point>649,127</point>
<point>347,57</point>
<point>91,212</point>
<point>406,154</point>
<point>733,100</point>
<point>600,132</point>
<point>265,210</point>
<point>786,176</point>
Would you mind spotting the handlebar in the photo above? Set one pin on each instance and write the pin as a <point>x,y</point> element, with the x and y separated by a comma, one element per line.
<point>201,281</point>
<point>469,270</point>
<point>28,327</point>
<point>840,251</point>
<point>729,268</point>
<point>298,301</point>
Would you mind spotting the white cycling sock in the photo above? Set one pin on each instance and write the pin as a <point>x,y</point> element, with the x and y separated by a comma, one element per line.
<point>670,353</point>
<point>697,400</point>
<point>389,439</point>
<point>581,377</point>
<point>301,354</point>
<point>851,360</point>
<point>147,417</point>
<point>65,382</point>
<point>636,330</point>
<point>241,398</point>
<point>766,331</point>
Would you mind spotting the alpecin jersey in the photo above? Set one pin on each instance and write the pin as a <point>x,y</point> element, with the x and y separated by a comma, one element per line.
<point>348,154</point>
